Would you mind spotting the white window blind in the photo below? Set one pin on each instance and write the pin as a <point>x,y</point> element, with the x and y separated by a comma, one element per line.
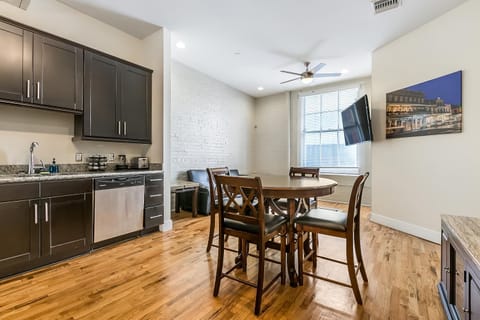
<point>322,141</point>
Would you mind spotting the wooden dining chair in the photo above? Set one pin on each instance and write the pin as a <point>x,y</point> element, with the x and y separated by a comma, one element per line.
<point>243,215</point>
<point>306,172</point>
<point>307,203</point>
<point>212,172</point>
<point>337,224</point>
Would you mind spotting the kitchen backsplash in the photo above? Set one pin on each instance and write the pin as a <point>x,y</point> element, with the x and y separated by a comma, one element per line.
<point>68,167</point>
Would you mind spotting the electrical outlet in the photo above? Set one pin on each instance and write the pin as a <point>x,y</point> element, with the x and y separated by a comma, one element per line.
<point>78,157</point>
<point>111,156</point>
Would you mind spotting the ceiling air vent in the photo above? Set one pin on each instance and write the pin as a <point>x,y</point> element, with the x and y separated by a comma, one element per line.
<point>384,5</point>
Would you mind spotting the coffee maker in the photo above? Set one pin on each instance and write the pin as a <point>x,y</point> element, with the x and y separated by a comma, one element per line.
<point>122,162</point>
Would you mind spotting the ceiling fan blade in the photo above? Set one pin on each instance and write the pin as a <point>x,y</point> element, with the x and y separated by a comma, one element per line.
<point>291,80</point>
<point>289,72</point>
<point>317,67</point>
<point>325,75</point>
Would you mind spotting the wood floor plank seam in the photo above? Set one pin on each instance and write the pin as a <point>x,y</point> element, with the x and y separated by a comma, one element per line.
<point>169,276</point>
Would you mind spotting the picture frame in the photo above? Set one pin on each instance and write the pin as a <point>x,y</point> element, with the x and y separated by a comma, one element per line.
<point>427,108</point>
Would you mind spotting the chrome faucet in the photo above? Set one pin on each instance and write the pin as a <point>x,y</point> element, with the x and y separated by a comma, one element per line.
<point>31,164</point>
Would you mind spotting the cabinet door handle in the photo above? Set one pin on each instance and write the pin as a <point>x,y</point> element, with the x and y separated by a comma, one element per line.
<point>155,217</point>
<point>35,206</point>
<point>46,211</point>
<point>124,128</point>
<point>156,195</point>
<point>38,90</point>
<point>28,89</point>
<point>465,310</point>
<point>154,180</point>
<point>119,128</point>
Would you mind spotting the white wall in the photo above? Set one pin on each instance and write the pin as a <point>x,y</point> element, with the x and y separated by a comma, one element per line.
<point>419,178</point>
<point>272,128</point>
<point>212,123</point>
<point>53,130</point>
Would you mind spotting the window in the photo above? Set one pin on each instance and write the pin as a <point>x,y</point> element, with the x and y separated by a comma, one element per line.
<point>322,141</point>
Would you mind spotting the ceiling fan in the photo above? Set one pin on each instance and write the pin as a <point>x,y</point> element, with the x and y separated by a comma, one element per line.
<point>308,75</point>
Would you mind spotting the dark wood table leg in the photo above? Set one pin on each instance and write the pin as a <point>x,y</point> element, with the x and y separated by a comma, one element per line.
<point>194,202</point>
<point>292,273</point>
<point>177,202</point>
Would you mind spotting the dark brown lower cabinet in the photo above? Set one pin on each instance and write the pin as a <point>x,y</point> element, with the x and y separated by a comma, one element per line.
<point>153,213</point>
<point>37,228</point>
<point>19,235</point>
<point>67,225</point>
<point>474,296</point>
<point>459,286</point>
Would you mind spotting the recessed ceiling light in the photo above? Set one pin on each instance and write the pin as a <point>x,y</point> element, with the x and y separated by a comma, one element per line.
<point>260,88</point>
<point>180,45</point>
<point>345,71</point>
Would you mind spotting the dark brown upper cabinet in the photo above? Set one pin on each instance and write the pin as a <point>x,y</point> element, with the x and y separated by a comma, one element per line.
<point>58,73</point>
<point>16,73</point>
<point>39,70</point>
<point>117,101</point>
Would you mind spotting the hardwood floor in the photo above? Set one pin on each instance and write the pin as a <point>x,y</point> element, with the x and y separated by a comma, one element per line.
<point>169,276</point>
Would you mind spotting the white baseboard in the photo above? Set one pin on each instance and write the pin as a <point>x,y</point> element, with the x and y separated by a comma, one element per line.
<point>167,225</point>
<point>414,230</point>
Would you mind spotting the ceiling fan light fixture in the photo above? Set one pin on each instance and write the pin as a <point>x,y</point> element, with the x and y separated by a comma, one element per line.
<point>307,80</point>
<point>307,76</point>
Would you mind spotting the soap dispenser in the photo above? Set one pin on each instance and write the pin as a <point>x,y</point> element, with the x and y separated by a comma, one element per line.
<point>53,167</point>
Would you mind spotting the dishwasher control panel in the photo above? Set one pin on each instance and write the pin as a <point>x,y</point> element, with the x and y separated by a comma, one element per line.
<point>119,182</point>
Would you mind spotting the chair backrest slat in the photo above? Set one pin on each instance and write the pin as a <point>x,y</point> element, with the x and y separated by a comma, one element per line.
<point>304,172</point>
<point>355,202</point>
<point>212,172</point>
<point>244,201</point>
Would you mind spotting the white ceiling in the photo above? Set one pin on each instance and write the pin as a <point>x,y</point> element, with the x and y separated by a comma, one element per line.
<point>246,43</point>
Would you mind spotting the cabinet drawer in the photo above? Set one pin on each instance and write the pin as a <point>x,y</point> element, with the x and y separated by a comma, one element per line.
<point>19,191</point>
<point>154,179</point>
<point>64,187</point>
<point>153,216</point>
<point>153,196</point>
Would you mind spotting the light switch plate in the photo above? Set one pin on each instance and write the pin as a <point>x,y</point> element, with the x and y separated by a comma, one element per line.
<point>78,157</point>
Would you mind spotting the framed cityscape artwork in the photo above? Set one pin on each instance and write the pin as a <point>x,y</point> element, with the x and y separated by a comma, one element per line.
<point>431,107</point>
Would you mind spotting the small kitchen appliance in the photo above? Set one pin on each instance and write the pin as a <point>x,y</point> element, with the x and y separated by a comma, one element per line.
<point>139,163</point>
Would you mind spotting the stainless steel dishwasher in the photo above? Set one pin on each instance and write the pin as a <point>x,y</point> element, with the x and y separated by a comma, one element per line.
<point>118,206</point>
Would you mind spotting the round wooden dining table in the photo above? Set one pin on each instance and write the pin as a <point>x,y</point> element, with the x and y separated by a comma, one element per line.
<point>294,188</point>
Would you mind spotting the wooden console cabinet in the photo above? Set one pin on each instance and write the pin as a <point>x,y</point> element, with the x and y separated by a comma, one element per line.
<point>459,285</point>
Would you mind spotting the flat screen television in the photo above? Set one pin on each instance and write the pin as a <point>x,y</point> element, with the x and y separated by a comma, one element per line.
<point>357,126</point>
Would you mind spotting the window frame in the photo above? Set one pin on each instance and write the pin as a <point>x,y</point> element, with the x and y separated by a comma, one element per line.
<point>302,133</point>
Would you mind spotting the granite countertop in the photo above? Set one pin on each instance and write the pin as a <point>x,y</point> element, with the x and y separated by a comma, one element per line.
<point>466,231</point>
<point>12,178</point>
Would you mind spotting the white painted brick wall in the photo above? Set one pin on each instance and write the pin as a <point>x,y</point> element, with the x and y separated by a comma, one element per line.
<point>212,123</point>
